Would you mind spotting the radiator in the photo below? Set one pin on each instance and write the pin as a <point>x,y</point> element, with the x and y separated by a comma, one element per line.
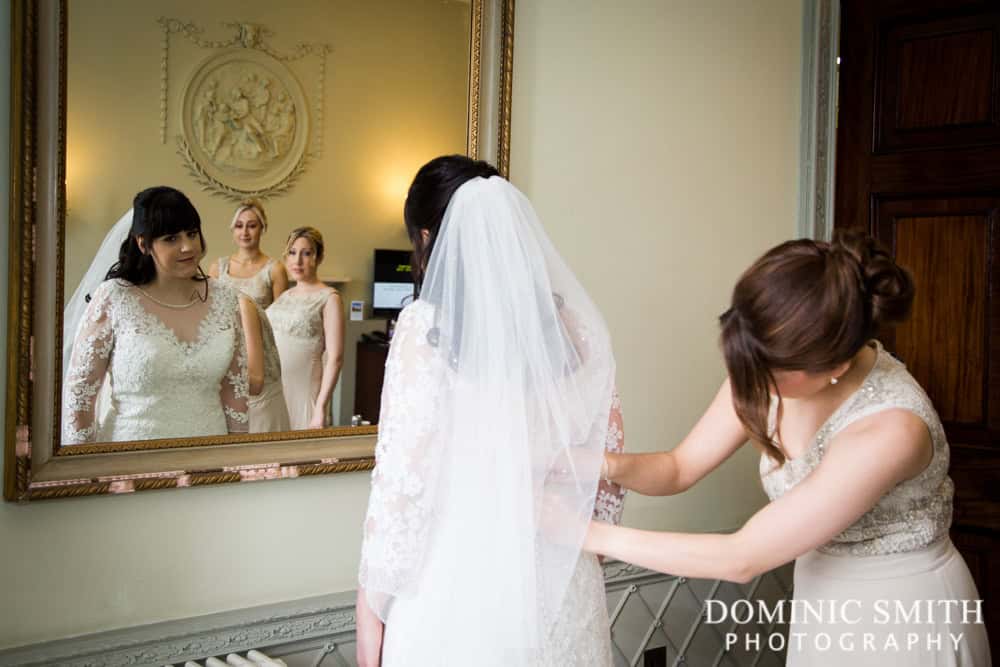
<point>251,659</point>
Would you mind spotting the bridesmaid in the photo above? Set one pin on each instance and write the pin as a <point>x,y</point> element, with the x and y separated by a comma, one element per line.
<point>854,459</point>
<point>308,325</point>
<point>249,269</point>
<point>263,280</point>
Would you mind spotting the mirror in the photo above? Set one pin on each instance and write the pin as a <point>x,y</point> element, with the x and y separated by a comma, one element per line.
<point>315,115</point>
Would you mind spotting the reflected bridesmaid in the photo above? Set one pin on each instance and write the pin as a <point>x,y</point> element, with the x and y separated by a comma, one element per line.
<point>263,280</point>
<point>251,271</point>
<point>308,322</point>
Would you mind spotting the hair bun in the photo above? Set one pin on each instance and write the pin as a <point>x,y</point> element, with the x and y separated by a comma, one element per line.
<point>888,287</point>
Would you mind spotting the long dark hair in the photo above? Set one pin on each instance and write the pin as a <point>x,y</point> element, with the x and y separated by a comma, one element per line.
<point>428,199</point>
<point>157,211</point>
<point>806,305</point>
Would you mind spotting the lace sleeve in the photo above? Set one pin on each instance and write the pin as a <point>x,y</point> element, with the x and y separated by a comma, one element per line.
<point>235,390</point>
<point>399,508</point>
<point>610,496</point>
<point>88,365</point>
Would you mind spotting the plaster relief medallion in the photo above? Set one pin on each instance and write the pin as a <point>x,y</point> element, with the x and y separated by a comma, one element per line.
<point>245,124</point>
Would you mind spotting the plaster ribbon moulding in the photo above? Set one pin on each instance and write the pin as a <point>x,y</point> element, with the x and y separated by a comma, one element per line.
<point>247,128</point>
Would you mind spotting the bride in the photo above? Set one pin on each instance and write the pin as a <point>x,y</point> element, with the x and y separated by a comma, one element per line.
<point>163,342</point>
<point>497,406</point>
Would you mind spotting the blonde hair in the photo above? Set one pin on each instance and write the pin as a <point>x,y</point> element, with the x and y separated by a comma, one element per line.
<point>312,235</point>
<point>254,205</point>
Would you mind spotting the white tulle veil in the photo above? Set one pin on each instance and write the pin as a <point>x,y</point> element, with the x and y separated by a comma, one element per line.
<point>76,305</point>
<point>522,431</point>
<point>105,258</point>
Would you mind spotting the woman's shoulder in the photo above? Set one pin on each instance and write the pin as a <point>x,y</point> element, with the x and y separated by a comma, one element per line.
<point>891,401</point>
<point>417,312</point>
<point>890,383</point>
<point>111,288</point>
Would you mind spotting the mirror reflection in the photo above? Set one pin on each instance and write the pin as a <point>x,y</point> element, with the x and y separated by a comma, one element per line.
<point>256,292</point>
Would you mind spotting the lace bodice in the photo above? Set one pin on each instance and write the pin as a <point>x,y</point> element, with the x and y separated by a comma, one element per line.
<point>161,385</point>
<point>913,514</point>
<point>258,286</point>
<point>300,314</point>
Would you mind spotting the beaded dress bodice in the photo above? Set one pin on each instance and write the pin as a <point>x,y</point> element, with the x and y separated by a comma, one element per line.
<point>917,511</point>
<point>258,286</point>
<point>300,314</point>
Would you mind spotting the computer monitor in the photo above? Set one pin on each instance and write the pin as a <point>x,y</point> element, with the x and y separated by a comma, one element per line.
<point>392,287</point>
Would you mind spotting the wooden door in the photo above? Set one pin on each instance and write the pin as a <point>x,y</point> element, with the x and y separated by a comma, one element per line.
<point>918,166</point>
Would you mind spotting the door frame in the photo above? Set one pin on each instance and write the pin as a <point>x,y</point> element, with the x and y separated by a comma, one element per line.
<point>818,143</point>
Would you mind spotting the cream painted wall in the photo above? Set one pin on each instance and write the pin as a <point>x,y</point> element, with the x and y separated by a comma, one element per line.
<point>659,143</point>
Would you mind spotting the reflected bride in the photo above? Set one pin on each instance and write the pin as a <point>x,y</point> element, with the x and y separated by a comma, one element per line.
<point>308,325</point>
<point>160,340</point>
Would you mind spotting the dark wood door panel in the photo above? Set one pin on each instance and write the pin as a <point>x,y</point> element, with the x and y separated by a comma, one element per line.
<point>872,115</point>
<point>936,80</point>
<point>976,474</point>
<point>942,342</point>
<point>949,245</point>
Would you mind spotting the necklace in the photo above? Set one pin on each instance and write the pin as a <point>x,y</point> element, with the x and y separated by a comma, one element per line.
<point>152,298</point>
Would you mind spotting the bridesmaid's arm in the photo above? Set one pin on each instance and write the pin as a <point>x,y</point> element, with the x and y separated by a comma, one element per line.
<point>716,436</point>
<point>279,279</point>
<point>861,465</point>
<point>254,334</point>
<point>333,333</point>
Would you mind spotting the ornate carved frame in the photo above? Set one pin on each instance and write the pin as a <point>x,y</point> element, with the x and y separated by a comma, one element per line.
<point>35,467</point>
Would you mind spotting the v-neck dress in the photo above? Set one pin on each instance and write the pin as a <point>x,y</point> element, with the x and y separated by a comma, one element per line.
<point>159,385</point>
<point>866,581</point>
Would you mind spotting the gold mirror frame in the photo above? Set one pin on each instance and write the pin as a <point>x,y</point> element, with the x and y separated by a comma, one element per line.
<point>35,467</point>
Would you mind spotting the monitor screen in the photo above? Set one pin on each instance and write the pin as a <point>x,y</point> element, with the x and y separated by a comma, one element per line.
<point>392,287</point>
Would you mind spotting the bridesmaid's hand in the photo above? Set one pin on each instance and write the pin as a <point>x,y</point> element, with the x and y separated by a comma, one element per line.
<point>317,420</point>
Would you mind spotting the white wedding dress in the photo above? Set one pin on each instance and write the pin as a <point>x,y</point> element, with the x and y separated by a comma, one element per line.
<point>497,409</point>
<point>409,430</point>
<point>170,373</point>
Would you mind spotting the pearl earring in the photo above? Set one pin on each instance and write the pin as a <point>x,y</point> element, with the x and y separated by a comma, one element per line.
<point>834,380</point>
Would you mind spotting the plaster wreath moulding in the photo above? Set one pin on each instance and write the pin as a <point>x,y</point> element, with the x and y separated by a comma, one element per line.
<point>245,126</point>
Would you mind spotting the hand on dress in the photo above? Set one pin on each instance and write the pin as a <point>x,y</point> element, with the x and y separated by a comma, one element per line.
<point>318,419</point>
